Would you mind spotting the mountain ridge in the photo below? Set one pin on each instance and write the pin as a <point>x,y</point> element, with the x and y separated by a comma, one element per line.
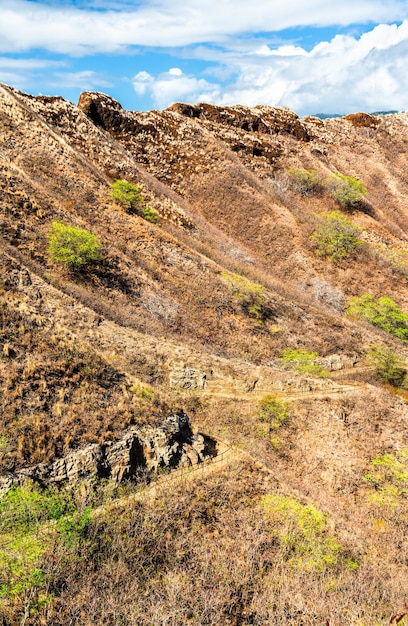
<point>194,313</point>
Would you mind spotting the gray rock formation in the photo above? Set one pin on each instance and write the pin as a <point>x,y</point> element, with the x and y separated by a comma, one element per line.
<point>139,451</point>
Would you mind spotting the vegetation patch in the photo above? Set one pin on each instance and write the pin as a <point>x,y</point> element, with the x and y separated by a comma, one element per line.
<point>389,366</point>
<point>23,512</point>
<point>347,191</point>
<point>389,478</point>
<point>251,297</point>
<point>304,181</point>
<point>396,259</point>
<point>302,361</point>
<point>336,237</point>
<point>73,247</point>
<point>129,196</point>
<point>302,533</point>
<point>383,313</point>
<point>274,412</point>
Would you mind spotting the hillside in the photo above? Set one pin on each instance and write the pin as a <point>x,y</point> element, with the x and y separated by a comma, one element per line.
<point>214,323</point>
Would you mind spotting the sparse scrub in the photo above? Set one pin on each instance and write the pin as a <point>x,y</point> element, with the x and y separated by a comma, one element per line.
<point>389,366</point>
<point>251,296</point>
<point>143,391</point>
<point>302,361</point>
<point>129,196</point>
<point>324,293</point>
<point>302,533</point>
<point>389,478</point>
<point>73,247</point>
<point>396,259</point>
<point>161,308</point>
<point>383,313</point>
<point>304,181</point>
<point>345,190</point>
<point>273,411</point>
<point>336,237</point>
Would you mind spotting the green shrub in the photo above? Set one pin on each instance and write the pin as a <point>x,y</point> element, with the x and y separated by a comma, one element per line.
<point>302,533</point>
<point>23,512</point>
<point>302,361</point>
<point>23,508</point>
<point>388,365</point>
<point>250,296</point>
<point>384,313</point>
<point>126,194</point>
<point>129,196</point>
<point>73,247</point>
<point>143,391</point>
<point>336,237</point>
<point>345,190</point>
<point>304,181</point>
<point>273,411</point>
<point>148,214</point>
<point>395,259</point>
<point>389,478</point>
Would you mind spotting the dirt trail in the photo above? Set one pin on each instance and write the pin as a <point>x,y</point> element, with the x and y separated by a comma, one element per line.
<point>331,392</point>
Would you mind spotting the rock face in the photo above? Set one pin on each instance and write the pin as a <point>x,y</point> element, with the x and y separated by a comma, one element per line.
<point>187,378</point>
<point>139,451</point>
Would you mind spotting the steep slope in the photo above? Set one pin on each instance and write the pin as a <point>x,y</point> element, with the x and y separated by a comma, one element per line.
<point>191,314</point>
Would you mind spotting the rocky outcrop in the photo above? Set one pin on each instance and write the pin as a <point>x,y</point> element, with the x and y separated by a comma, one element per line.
<point>138,451</point>
<point>187,378</point>
<point>363,120</point>
<point>260,119</point>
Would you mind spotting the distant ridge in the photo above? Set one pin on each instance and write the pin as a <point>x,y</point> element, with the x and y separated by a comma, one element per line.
<point>325,116</point>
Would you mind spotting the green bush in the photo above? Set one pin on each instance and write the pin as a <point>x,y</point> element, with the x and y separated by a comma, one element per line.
<point>388,365</point>
<point>126,194</point>
<point>73,247</point>
<point>302,361</point>
<point>305,181</point>
<point>336,237</point>
<point>345,190</point>
<point>384,313</point>
<point>129,196</point>
<point>302,533</point>
<point>273,411</point>
<point>251,296</point>
<point>389,479</point>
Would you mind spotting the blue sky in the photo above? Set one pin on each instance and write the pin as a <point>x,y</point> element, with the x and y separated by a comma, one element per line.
<point>314,57</point>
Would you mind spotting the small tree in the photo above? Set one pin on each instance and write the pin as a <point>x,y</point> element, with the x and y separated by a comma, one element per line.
<point>129,196</point>
<point>273,411</point>
<point>126,194</point>
<point>383,313</point>
<point>305,181</point>
<point>335,236</point>
<point>345,190</point>
<point>73,247</point>
<point>388,365</point>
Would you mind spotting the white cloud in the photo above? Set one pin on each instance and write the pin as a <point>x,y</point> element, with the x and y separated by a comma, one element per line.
<point>174,86</point>
<point>72,29</point>
<point>341,75</point>
<point>28,64</point>
<point>23,72</point>
<point>85,79</point>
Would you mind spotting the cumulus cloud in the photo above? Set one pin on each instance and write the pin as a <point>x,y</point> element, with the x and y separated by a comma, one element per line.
<point>175,86</point>
<point>340,75</point>
<point>88,27</point>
